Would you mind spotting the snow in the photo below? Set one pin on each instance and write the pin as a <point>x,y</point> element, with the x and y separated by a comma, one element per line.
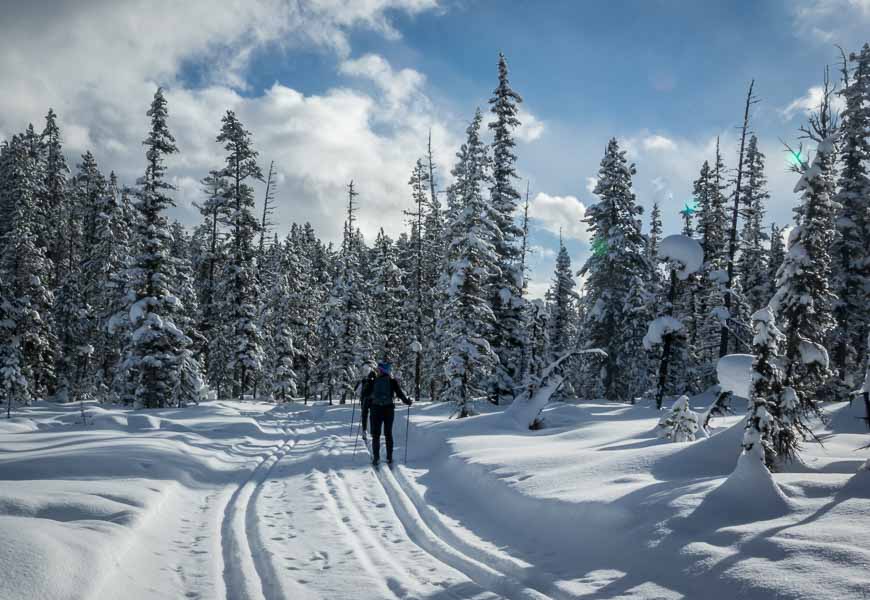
<point>813,353</point>
<point>658,329</point>
<point>251,500</point>
<point>735,374</point>
<point>685,251</point>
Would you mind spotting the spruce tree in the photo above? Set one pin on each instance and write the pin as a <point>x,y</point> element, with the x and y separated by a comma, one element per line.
<point>618,273</point>
<point>238,286</point>
<point>562,314</point>
<point>506,283</point>
<point>752,264</point>
<point>655,233</point>
<point>851,248</point>
<point>471,261</point>
<point>388,300</point>
<point>345,325</point>
<point>155,344</point>
<point>55,189</point>
<point>25,270</point>
<point>803,299</point>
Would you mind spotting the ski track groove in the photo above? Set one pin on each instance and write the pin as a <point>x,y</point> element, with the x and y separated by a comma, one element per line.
<point>249,575</point>
<point>541,581</point>
<point>353,540</point>
<point>421,533</point>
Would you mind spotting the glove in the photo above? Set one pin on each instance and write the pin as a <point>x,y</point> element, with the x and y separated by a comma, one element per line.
<point>407,401</point>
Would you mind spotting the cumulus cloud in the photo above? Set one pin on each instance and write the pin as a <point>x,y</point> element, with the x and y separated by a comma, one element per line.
<point>832,21</point>
<point>559,213</point>
<point>98,62</point>
<point>809,103</point>
<point>531,128</point>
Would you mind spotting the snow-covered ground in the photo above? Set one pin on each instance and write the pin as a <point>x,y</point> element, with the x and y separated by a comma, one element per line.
<point>252,501</point>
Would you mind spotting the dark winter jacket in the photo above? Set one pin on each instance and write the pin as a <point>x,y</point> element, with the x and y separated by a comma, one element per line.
<point>367,395</point>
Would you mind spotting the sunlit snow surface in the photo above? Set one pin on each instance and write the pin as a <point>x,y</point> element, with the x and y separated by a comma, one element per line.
<point>230,500</point>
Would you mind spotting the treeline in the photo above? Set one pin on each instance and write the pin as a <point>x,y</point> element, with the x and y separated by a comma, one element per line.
<point>101,297</point>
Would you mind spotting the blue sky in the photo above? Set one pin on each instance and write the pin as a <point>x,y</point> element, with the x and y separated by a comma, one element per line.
<point>334,89</point>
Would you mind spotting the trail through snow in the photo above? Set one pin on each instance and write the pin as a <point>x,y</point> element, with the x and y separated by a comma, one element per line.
<point>249,501</point>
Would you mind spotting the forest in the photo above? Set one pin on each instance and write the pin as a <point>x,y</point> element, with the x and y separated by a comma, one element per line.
<point>102,298</point>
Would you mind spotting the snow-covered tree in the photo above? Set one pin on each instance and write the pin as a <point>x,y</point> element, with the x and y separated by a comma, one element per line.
<point>803,299</point>
<point>752,263</point>
<point>25,269</point>
<point>345,326</point>
<point>562,313</point>
<point>156,344</point>
<point>850,251</point>
<point>472,260</point>
<point>683,257</point>
<point>388,299</point>
<point>618,273</point>
<point>681,423</point>
<point>238,285</point>
<point>655,232</point>
<point>55,190</point>
<point>506,283</point>
<point>768,431</point>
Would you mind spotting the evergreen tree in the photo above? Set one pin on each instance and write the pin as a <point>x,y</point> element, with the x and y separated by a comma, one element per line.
<point>776,254</point>
<point>851,247</point>
<point>73,315</point>
<point>155,345</point>
<point>472,260</point>
<point>803,299</point>
<point>25,271</point>
<point>388,300</point>
<point>618,274</point>
<point>105,264</point>
<point>506,283</point>
<point>562,314</point>
<point>655,233</point>
<point>345,326</point>
<point>752,264</point>
<point>55,202</point>
<point>238,286</point>
<point>434,292</point>
<point>773,425</point>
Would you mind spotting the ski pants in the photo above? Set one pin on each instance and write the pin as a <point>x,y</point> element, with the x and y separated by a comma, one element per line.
<point>382,417</point>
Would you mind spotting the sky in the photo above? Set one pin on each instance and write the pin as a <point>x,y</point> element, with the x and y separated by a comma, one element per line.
<point>334,90</point>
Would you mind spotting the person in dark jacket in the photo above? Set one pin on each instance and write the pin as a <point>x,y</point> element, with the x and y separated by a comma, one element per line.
<point>383,390</point>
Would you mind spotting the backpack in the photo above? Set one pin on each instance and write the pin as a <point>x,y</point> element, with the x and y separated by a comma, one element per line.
<point>382,391</point>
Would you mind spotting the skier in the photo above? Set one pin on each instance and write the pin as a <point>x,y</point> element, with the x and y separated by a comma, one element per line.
<point>382,410</point>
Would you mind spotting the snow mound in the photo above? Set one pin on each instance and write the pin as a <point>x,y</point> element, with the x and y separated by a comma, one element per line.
<point>142,422</point>
<point>748,494</point>
<point>735,374</point>
<point>685,251</point>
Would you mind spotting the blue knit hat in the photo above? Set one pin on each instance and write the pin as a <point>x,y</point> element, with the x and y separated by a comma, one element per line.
<point>385,367</point>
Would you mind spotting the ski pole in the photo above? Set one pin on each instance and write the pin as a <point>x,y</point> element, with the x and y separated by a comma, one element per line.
<point>352,409</point>
<point>407,425</point>
<point>355,442</point>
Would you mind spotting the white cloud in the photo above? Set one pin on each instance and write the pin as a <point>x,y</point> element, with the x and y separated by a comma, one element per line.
<point>531,128</point>
<point>542,251</point>
<point>809,103</point>
<point>658,142</point>
<point>832,21</point>
<point>97,62</point>
<point>559,213</point>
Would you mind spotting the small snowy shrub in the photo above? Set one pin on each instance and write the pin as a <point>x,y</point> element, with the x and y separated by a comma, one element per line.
<point>680,424</point>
